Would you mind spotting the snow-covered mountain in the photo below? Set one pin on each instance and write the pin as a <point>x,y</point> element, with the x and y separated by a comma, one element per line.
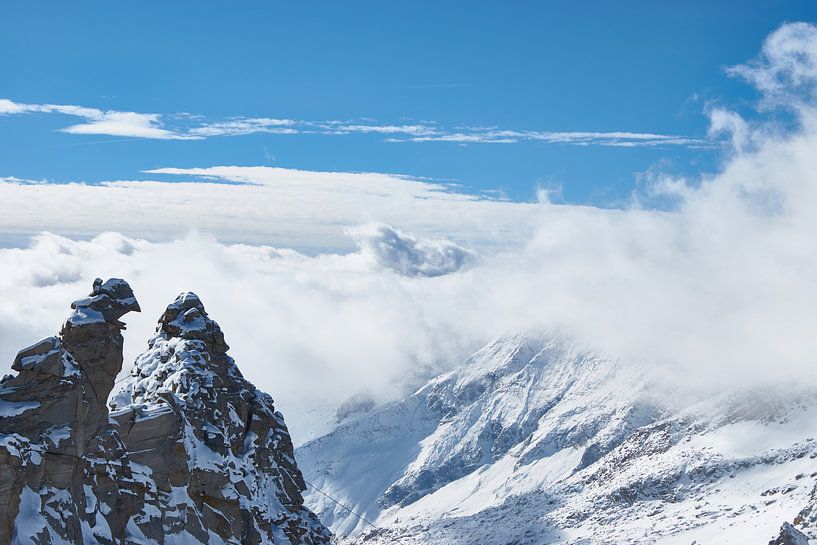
<point>534,441</point>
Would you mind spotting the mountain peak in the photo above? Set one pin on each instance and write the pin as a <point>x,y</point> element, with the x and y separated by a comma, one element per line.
<point>186,318</point>
<point>54,420</point>
<point>107,302</point>
<point>186,358</point>
<point>193,452</point>
<point>190,416</point>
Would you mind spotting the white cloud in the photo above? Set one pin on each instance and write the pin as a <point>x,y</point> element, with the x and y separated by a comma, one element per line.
<point>614,138</point>
<point>349,127</point>
<point>191,127</point>
<point>719,291</point>
<point>8,107</point>
<point>785,73</point>
<point>238,127</point>
<point>409,256</point>
<point>124,124</point>
<point>111,122</point>
<point>310,330</point>
<point>262,205</point>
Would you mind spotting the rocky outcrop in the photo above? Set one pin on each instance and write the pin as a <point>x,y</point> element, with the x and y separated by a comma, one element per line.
<point>219,455</point>
<point>62,465</point>
<point>804,527</point>
<point>190,453</point>
<point>789,535</point>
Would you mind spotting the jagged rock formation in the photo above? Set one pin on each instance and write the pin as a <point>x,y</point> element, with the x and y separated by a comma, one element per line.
<point>807,517</point>
<point>192,454</point>
<point>60,459</point>
<point>219,455</point>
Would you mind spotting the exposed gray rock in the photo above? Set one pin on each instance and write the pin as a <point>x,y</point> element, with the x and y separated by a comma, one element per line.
<point>219,456</point>
<point>62,464</point>
<point>789,535</point>
<point>192,454</point>
<point>804,527</point>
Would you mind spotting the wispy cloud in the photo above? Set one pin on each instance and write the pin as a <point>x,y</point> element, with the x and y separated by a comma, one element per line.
<point>110,122</point>
<point>350,127</point>
<point>238,127</point>
<point>579,138</point>
<point>195,127</point>
<point>20,181</point>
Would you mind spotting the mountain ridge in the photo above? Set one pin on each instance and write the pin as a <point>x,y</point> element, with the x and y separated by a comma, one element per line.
<point>535,441</point>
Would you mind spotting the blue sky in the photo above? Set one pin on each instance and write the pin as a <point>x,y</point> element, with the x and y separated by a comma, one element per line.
<point>448,70</point>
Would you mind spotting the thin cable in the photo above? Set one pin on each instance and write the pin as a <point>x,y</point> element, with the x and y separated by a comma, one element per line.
<point>352,511</point>
<point>126,377</point>
<point>319,491</point>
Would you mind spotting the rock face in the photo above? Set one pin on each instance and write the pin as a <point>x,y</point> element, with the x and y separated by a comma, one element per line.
<point>60,459</point>
<point>219,455</point>
<point>191,452</point>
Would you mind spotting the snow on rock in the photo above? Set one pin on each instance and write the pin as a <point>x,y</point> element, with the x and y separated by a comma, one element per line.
<point>535,441</point>
<point>9,409</point>
<point>55,438</point>
<point>213,444</point>
<point>789,535</point>
<point>193,453</point>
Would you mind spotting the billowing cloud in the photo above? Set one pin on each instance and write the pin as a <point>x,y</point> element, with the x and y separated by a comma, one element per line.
<point>310,330</point>
<point>785,73</point>
<point>406,255</point>
<point>718,291</point>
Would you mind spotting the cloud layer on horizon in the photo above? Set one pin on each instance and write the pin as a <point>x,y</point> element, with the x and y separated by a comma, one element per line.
<point>309,211</point>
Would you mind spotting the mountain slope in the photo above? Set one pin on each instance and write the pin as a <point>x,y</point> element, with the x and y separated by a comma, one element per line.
<point>532,440</point>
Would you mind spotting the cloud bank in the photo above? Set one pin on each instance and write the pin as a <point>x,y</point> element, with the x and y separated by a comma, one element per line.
<point>717,292</point>
<point>306,210</point>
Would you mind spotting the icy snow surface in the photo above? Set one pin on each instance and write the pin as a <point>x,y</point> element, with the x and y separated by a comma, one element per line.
<point>534,441</point>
